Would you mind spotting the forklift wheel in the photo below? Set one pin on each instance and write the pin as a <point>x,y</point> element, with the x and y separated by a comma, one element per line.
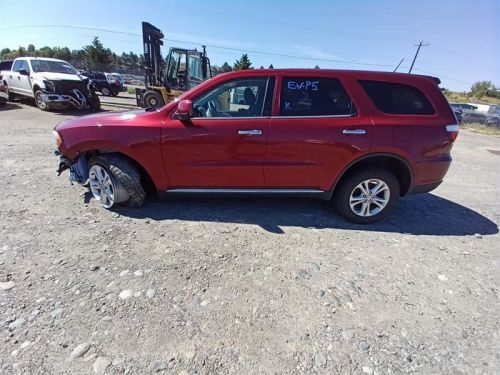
<point>153,100</point>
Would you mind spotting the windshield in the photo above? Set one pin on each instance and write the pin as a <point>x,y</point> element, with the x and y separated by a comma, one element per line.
<point>52,66</point>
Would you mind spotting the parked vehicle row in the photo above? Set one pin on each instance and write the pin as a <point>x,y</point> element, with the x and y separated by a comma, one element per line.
<point>55,84</point>
<point>52,83</point>
<point>482,114</point>
<point>106,83</point>
<point>360,139</point>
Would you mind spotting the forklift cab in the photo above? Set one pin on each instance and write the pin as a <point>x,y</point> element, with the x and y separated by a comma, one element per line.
<point>186,68</point>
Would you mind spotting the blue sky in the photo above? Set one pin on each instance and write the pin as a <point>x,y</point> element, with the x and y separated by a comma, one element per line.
<point>463,36</point>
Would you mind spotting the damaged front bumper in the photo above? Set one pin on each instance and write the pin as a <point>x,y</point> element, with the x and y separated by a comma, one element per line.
<point>77,99</point>
<point>78,168</point>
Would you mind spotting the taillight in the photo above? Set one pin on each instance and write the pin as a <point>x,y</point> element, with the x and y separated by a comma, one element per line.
<point>452,131</point>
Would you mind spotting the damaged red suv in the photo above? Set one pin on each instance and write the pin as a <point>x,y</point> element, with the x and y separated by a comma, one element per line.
<point>360,139</point>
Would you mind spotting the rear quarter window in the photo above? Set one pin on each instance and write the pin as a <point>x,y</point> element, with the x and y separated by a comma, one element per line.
<point>397,98</point>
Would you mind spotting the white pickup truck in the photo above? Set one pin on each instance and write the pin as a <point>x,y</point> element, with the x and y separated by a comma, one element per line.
<point>51,83</point>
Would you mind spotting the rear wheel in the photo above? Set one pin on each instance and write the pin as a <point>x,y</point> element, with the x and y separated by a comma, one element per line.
<point>39,101</point>
<point>153,100</point>
<point>105,91</point>
<point>367,196</point>
<point>113,180</point>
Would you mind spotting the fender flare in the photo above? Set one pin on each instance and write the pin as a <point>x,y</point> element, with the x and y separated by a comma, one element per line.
<point>368,156</point>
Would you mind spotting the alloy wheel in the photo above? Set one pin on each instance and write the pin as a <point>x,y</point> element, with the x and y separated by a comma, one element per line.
<point>102,186</point>
<point>369,197</point>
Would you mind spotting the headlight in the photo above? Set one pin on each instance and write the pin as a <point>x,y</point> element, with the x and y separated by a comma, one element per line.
<point>57,138</point>
<point>49,86</point>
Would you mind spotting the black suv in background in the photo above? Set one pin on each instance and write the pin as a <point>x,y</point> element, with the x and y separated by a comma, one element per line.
<point>107,86</point>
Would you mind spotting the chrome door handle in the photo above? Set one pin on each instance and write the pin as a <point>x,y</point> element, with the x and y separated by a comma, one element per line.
<point>250,132</point>
<point>354,131</point>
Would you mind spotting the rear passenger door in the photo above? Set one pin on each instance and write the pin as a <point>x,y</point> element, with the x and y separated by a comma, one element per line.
<point>315,131</point>
<point>17,82</point>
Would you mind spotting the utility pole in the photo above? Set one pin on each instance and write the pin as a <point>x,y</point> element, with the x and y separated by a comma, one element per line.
<point>419,45</point>
<point>399,64</point>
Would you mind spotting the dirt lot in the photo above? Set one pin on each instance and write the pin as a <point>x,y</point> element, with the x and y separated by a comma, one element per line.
<point>243,286</point>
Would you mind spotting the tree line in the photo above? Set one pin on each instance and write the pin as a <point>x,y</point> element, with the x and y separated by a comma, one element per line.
<point>97,57</point>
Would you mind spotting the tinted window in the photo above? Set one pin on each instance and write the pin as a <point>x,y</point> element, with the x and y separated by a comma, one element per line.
<point>395,98</point>
<point>243,97</point>
<point>5,65</point>
<point>99,76</point>
<point>17,65</point>
<point>314,97</point>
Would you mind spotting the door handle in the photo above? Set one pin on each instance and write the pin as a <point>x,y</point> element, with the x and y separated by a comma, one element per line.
<point>250,132</point>
<point>354,131</point>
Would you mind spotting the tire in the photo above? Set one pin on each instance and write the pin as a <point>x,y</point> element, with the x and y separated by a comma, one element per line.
<point>153,100</point>
<point>39,102</point>
<point>105,91</point>
<point>12,96</point>
<point>94,103</point>
<point>125,179</point>
<point>114,93</point>
<point>364,211</point>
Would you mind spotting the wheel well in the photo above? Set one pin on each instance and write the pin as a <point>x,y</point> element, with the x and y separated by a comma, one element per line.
<point>397,166</point>
<point>35,88</point>
<point>146,180</point>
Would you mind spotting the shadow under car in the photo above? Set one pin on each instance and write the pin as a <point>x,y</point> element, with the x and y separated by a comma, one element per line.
<point>424,214</point>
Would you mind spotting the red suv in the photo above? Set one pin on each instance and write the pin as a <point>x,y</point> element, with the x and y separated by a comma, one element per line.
<point>361,139</point>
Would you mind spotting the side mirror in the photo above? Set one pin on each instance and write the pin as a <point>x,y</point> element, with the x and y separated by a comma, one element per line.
<point>23,72</point>
<point>184,110</point>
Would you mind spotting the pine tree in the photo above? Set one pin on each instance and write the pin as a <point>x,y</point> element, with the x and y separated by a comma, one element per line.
<point>243,63</point>
<point>271,66</point>
<point>226,67</point>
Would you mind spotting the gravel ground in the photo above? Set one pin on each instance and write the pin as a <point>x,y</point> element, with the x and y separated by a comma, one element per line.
<point>243,286</point>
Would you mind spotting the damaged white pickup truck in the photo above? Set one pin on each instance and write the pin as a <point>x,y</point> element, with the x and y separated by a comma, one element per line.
<point>52,83</point>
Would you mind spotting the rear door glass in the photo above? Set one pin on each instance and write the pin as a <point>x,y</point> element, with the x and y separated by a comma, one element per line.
<point>309,96</point>
<point>397,98</point>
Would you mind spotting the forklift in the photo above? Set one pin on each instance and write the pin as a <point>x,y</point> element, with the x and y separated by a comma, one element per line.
<point>167,79</point>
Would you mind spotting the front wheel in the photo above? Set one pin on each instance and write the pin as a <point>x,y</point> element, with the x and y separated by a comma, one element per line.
<point>367,196</point>
<point>105,91</point>
<point>94,103</point>
<point>39,101</point>
<point>113,180</point>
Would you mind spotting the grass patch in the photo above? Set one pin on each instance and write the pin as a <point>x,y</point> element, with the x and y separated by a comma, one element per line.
<point>461,98</point>
<point>481,129</point>
<point>131,90</point>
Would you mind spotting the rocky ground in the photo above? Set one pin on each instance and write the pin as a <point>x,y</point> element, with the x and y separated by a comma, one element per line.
<point>243,286</point>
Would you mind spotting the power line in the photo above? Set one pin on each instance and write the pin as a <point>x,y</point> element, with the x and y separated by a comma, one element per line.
<point>266,53</point>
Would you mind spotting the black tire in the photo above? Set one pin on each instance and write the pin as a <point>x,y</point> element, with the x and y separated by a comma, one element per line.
<point>348,185</point>
<point>39,102</point>
<point>12,96</point>
<point>114,93</point>
<point>124,174</point>
<point>105,91</point>
<point>95,103</point>
<point>153,100</point>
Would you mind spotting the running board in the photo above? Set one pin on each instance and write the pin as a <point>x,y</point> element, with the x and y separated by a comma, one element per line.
<point>301,192</point>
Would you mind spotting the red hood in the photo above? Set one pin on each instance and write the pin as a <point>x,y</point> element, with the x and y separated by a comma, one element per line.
<point>101,119</point>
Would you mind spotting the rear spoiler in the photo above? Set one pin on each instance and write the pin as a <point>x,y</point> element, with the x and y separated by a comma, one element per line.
<point>434,80</point>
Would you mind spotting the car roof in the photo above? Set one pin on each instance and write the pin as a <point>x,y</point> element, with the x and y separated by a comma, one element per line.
<point>367,74</point>
<point>41,58</point>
